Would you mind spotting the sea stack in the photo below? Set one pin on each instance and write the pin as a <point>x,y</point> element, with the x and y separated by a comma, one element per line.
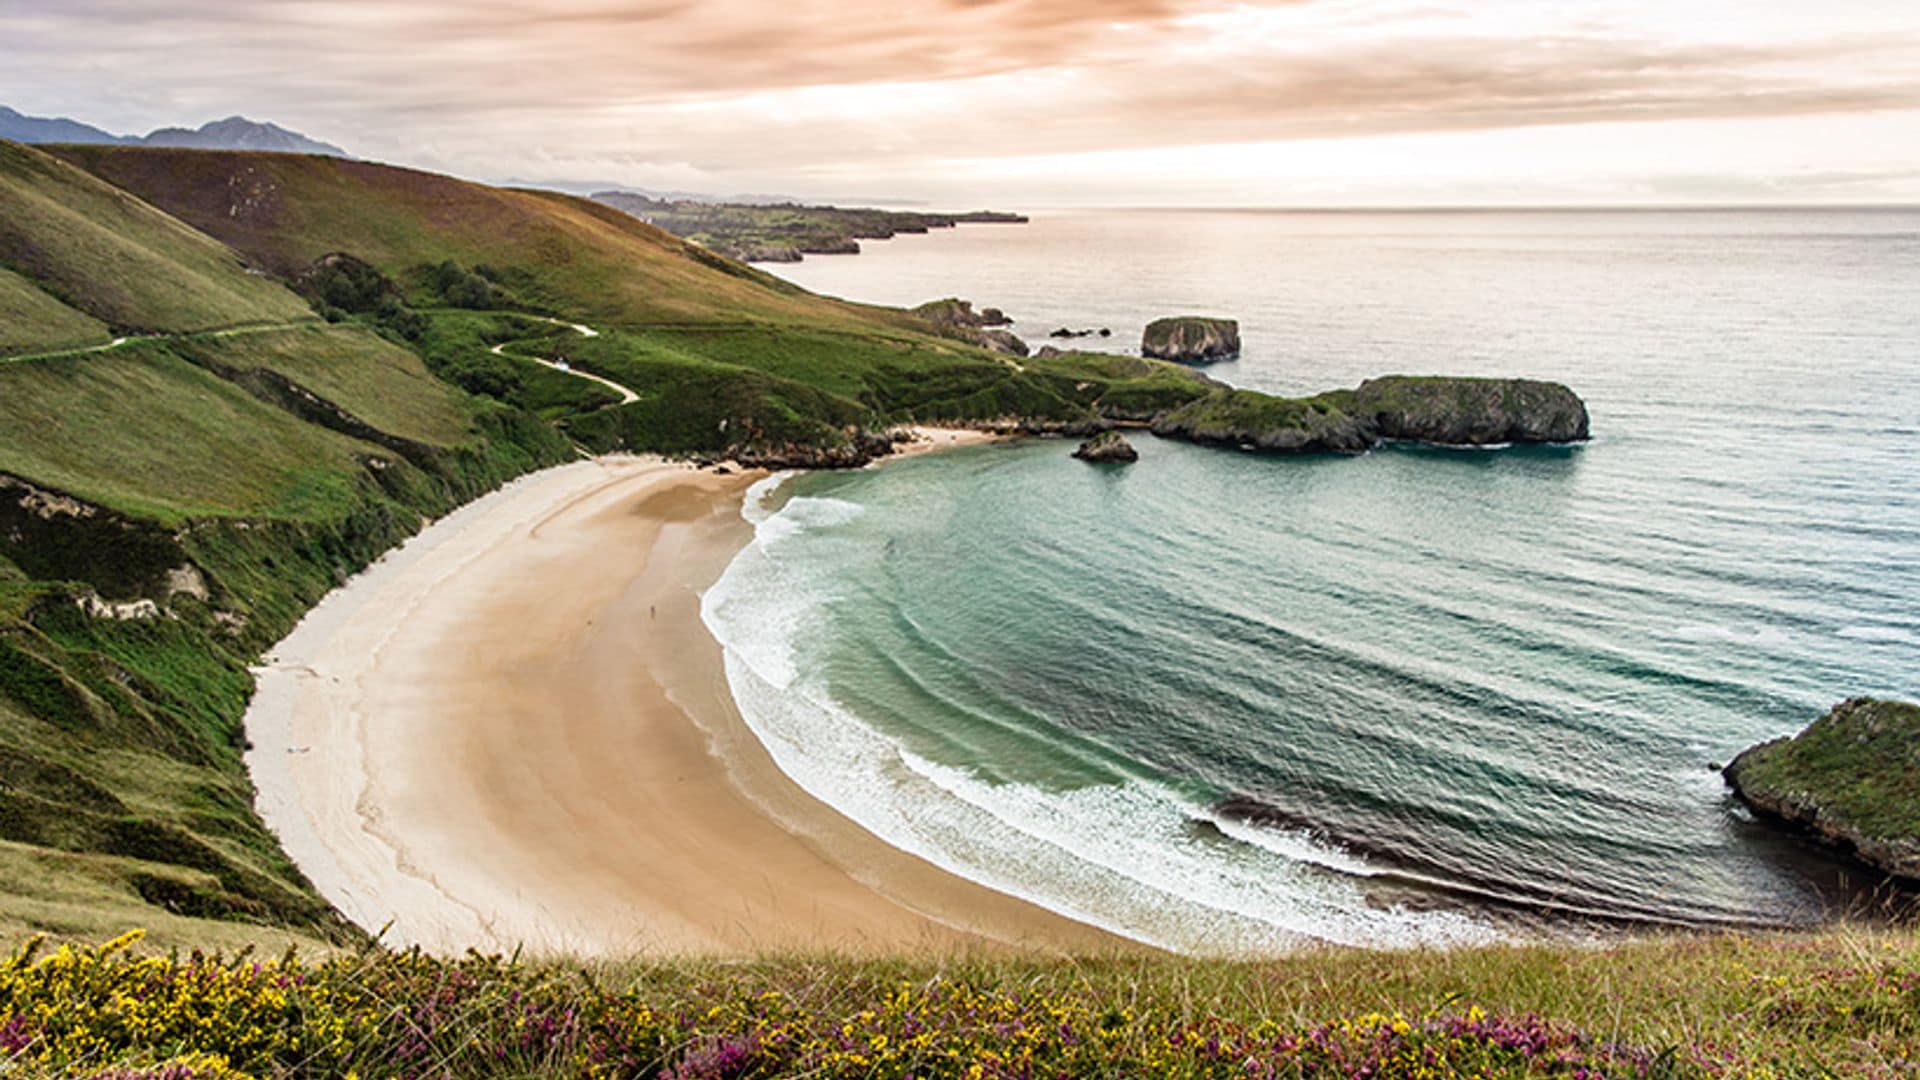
<point>1191,339</point>
<point>1851,781</point>
<point>1108,447</point>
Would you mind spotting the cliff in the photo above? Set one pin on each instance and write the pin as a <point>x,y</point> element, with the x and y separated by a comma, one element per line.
<point>1851,781</point>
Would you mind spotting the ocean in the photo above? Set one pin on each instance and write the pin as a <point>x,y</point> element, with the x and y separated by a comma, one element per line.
<point>1226,703</point>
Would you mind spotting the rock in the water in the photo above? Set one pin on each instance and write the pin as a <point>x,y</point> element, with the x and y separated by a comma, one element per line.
<point>1450,411</point>
<point>1107,446</point>
<point>1191,339</point>
<point>1441,410</point>
<point>1851,780</point>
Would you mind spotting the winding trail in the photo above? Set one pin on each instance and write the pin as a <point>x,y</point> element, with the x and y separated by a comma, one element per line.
<point>627,396</point>
<point>135,339</point>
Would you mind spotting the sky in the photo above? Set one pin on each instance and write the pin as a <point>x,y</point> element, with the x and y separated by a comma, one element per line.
<point>1026,103</point>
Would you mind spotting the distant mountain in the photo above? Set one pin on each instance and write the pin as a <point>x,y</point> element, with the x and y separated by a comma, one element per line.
<point>41,129</point>
<point>240,133</point>
<point>233,133</point>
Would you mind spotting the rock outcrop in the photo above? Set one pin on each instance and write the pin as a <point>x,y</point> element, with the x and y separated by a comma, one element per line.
<point>1108,447</point>
<point>860,448</point>
<point>958,319</point>
<point>1444,411</point>
<point>1003,341</point>
<point>1191,339</point>
<point>956,312</point>
<point>1851,781</point>
<point>1471,412</point>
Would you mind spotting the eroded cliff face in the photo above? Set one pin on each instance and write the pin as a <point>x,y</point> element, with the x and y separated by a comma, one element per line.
<point>1191,339</point>
<point>1850,781</point>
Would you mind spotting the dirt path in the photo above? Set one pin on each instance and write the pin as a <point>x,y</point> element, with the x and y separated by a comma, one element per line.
<point>626,396</point>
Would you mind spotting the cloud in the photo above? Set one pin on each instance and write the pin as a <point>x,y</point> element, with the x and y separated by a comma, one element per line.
<point>764,88</point>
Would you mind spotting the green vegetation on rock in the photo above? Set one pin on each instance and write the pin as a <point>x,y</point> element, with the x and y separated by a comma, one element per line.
<point>1851,780</point>
<point>1444,410</point>
<point>1192,339</point>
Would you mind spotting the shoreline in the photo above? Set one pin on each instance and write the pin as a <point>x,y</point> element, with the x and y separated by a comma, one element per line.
<point>514,731</point>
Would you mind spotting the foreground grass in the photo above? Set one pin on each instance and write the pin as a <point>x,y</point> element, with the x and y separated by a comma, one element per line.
<point>1843,1002</point>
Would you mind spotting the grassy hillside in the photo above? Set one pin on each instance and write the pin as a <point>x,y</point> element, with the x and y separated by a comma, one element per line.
<point>721,354</point>
<point>30,319</point>
<point>168,507</point>
<point>105,253</point>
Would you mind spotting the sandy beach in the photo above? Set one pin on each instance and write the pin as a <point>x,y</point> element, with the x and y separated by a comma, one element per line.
<point>515,732</point>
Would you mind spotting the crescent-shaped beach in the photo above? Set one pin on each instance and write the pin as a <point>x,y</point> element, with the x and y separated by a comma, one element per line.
<point>515,733</point>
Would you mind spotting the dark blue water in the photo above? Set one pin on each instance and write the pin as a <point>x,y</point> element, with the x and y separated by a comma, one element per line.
<point>1224,702</point>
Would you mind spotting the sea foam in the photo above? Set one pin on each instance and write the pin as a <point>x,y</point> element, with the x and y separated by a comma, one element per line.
<point>1130,857</point>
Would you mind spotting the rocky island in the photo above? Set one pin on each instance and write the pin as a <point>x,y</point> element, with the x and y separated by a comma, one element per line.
<point>1191,339</point>
<point>1108,447</point>
<point>1851,781</point>
<point>1441,410</point>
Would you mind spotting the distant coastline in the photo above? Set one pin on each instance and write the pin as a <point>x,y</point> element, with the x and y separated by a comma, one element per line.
<point>786,232</point>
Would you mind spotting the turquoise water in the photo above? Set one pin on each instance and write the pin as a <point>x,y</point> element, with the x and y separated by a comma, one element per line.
<point>1223,702</point>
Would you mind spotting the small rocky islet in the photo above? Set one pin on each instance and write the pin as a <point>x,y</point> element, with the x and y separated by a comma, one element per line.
<point>1108,447</point>
<point>1191,339</point>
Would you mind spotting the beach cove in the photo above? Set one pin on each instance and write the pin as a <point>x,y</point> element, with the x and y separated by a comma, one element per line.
<point>514,732</point>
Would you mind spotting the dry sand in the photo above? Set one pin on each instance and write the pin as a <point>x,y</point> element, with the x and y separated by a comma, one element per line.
<point>515,732</point>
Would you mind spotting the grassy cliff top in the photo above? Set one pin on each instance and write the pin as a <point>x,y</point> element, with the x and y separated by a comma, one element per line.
<point>1853,776</point>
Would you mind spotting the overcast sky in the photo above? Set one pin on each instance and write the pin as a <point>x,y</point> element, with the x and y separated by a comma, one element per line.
<point>1030,102</point>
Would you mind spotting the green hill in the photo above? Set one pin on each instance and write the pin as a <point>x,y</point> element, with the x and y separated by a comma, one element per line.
<point>31,319</point>
<point>107,255</point>
<point>168,507</point>
<point>701,338</point>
